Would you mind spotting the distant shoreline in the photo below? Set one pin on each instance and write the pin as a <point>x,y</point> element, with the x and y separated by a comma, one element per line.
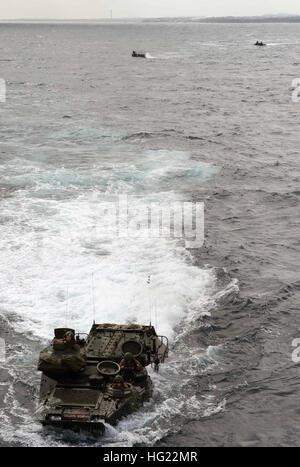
<point>212,19</point>
<point>232,19</point>
<point>259,19</point>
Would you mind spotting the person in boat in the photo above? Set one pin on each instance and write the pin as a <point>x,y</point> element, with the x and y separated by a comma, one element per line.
<point>68,341</point>
<point>119,384</point>
<point>130,365</point>
<point>134,54</point>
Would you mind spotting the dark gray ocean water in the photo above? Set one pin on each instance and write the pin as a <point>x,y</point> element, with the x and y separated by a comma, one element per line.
<point>206,117</point>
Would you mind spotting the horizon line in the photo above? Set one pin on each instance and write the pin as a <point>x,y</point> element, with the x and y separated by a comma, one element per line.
<point>271,15</point>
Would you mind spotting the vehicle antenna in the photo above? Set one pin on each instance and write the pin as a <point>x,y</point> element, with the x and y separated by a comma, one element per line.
<point>67,307</point>
<point>93,298</point>
<point>149,298</point>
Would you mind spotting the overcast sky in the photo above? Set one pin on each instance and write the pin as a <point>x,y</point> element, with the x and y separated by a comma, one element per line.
<point>71,9</point>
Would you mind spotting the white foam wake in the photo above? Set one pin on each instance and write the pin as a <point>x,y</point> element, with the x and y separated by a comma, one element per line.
<point>52,242</point>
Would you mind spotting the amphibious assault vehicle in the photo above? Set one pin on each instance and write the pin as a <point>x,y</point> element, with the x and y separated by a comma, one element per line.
<point>138,54</point>
<point>92,379</point>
